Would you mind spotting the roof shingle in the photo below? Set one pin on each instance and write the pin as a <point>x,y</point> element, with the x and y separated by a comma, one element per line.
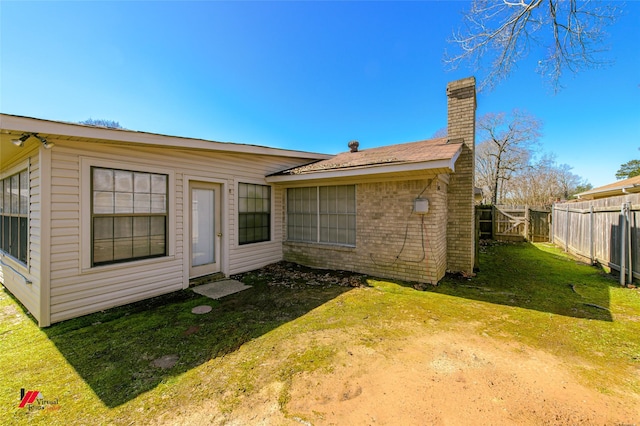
<point>411,152</point>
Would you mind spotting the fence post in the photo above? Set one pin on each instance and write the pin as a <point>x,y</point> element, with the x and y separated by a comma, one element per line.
<point>623,245</point>
<point>476,258</point>
<point>552,224</point>
<point>566,231</point>
<point>591,225</point>
<point>493,222</point>
<point>629,256</point>
<point>527,219</point>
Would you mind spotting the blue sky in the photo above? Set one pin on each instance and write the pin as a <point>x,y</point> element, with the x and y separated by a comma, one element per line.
<point>297,75</point>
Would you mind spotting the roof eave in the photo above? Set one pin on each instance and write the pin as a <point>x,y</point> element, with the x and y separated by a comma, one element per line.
<point>447,164</point>
<point>620,190</point>
<point>35,125</point>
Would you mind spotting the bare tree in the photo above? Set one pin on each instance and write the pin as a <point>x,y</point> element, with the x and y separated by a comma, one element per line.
<point>534,185</point>
<point>543,182</point>
<point>502,33</point>
<point>506,146</point>
<point>440,133</point>
<point>568,182</point>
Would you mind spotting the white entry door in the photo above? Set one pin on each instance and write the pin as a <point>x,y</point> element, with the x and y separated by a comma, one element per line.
<point>205,231</point>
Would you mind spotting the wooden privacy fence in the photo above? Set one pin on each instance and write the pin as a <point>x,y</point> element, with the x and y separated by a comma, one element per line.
<point>513,223</point>
<point>605,231</point>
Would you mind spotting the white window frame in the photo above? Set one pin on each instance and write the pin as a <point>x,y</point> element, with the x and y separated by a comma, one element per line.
<point>319,213</point>
<point>238,212</point>
<point>86,165</point>
<point>17,170</point>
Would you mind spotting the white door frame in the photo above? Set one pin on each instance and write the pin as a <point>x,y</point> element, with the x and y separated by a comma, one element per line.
<point>222,246</point>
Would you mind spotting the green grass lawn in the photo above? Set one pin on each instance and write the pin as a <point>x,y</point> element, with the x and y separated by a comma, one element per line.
<point>100,367</point>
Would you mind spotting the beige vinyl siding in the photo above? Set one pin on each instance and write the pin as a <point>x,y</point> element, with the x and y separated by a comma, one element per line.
<point>253,256</point>
<point>13,275</point>
<point>78,289</point>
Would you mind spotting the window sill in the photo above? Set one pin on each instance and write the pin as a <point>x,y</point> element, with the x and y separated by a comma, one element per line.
<point>256,244</point>
<point>15,267</point>
<point>123,265</point>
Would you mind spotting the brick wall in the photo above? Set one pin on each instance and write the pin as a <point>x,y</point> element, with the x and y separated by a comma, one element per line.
<point>461,123</point>
<point>384,217</point>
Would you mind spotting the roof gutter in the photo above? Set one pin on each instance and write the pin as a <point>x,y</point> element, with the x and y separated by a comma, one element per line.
<point>367,170</point>
<point>630,189</point>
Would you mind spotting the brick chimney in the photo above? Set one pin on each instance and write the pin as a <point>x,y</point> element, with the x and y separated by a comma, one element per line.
<point>461,128</point>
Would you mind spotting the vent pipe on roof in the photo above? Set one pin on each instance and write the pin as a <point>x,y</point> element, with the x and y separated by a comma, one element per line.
<point>353,146</point>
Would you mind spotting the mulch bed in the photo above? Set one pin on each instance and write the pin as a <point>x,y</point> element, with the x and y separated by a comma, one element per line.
<point>292,275</point>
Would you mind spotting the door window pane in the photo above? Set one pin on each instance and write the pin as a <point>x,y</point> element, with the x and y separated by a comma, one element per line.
<point>202,227</point>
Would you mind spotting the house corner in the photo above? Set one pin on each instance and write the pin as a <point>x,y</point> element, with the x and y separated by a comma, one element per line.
<point>461,123</point>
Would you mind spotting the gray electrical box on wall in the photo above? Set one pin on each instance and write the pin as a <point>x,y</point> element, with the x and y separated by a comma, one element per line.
<point>421,206</point>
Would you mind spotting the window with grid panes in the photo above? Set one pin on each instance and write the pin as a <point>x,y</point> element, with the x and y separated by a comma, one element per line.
<point>325,214</point>
<point>129,215</point>
<point>254,213</point>
<point>338,214</point>
<point>14,215</point>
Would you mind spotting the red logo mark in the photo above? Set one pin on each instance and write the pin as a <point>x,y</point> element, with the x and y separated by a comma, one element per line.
<point>28,398</point>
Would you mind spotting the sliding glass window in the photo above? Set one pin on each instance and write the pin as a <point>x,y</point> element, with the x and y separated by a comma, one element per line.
<point>325,214</point>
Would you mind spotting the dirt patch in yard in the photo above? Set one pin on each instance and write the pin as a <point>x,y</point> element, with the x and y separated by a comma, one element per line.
<point>438,374</point>
<point>452,379</point>
<point>444,379</point>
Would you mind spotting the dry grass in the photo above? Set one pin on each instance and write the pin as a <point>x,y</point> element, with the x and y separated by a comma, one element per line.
<point>100,367</point>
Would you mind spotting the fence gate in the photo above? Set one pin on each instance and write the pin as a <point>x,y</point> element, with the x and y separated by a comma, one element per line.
<point>513,223</point>
<point>509,223</point>
<point>539,225</point>
<point>484,215</point>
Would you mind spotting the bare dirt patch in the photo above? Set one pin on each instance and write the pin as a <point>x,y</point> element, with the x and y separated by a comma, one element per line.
<point>444,376</point>
<point>451,378</point>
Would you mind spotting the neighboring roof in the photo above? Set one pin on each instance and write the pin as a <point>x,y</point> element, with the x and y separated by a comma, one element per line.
<point>19,124</point>
<point>620,187</point>
<point>412,156</point>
